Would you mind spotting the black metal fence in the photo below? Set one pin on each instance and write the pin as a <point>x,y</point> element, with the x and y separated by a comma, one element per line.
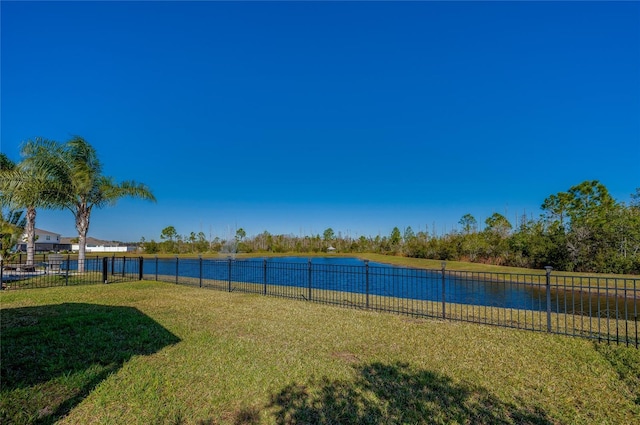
<point>47,270</point>
<point>599,308</point>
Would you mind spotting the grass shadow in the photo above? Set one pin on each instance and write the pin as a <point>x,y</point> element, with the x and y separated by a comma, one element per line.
<point>54,355</point>
<point>397,394</point>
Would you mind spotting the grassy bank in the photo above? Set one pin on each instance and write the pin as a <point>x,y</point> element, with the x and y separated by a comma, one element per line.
<point>159,353</point>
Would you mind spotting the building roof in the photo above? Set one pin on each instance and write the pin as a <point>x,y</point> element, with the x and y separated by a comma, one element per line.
<point>90,241</point>
<point>39,233</point>
<point>45,232</point>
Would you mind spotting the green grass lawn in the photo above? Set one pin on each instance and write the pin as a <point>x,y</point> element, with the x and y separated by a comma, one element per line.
<point>157,353</point>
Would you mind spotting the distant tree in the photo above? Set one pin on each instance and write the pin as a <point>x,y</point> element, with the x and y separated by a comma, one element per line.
<point>589,231</point>
<point>328,235</point>
<point>240,234</point>
<point>472,246</point>
<point>469,224</point>
<point>498,224</point>
<point>496,232</point>
<point>363,244</point>
<point>180,245</point>
<point>202,245</point>
<point>589,202</point>
<point>556,207</point>
<point>267,240</point>
<point>395,238</point>
<point>618,240</point>
<point>632,242</point>
<point>151,247</point>
<point>215,244</point>
<point>192,241</point>
<point>408,234</point>
<point>169,234</point>
<point>594,216</point>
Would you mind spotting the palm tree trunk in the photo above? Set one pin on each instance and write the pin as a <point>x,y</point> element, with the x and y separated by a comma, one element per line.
<point>30,229</point>
<point>82,225</point>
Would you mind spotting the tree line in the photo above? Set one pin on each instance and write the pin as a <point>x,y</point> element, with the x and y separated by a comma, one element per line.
<point>583,229</point>
<point>54,175</point>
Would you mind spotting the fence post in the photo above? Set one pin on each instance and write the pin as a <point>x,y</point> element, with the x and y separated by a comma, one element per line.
<point>264,275</point>
<point>200,267</point>
<point>156,268</point>
<point>113,265</point>
<point>66,278</point>
<point>105,270</point>
<point>1,268</point>
<point>229,271</point>
<point>444,311</point>
<point>124,264</point>
<point>366,273</point>
<point>140,269</point>
<point>177,262</point>
<point>548,269</point>
<point>309,279</point>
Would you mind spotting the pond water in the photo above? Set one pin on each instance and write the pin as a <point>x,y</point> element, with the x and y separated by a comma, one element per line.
<point>353,275</point>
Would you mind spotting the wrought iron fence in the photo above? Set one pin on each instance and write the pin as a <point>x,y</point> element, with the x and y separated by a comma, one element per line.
<point>47,270</point>
<point>599,308</point>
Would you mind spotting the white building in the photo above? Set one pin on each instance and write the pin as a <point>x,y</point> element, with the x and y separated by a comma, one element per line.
<point>97,245</point>
<point>45,241</point>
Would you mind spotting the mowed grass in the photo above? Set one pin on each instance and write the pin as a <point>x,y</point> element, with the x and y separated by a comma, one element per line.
<point>158,353</point>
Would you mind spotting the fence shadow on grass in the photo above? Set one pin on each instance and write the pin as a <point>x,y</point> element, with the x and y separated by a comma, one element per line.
<point>54,355</point>
<point>395,394</point>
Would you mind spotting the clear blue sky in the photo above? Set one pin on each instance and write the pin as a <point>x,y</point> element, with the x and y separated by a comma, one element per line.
<point>295,117</point>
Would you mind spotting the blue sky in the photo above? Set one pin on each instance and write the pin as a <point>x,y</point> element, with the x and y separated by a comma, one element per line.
<point>360,116</point>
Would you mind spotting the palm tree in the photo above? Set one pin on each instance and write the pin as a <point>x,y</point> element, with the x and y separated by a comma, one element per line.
<point>76,168</point>
<point>28,185</point>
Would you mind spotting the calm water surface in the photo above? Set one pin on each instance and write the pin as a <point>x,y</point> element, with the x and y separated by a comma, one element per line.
<point>352,275</point>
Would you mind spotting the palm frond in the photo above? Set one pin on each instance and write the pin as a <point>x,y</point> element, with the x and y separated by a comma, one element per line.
<point>23,188</point>
<point>109,192</point>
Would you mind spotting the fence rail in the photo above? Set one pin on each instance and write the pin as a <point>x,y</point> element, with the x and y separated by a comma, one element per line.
<point>47,270</point>
<point>599,308</point>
